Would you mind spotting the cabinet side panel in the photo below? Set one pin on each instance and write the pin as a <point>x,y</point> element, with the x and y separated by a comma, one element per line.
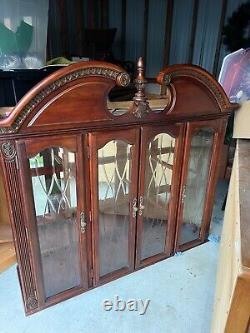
<point>10,168</point>
<point>4,217</point>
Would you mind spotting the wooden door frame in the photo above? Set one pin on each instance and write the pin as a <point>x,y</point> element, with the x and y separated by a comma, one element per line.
<point>98,140</point>
<point>148,133</point>
<point>30,222</point>
<point>219,127</point>
<point>26,149</point>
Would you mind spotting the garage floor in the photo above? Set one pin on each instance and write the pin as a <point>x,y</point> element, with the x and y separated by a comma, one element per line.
<point>180,290</point>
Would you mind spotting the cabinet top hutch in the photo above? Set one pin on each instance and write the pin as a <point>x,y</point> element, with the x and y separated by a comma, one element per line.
<point>75,97</point>
<point>97,189</point>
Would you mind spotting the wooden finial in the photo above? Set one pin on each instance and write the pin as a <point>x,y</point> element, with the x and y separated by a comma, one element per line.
<point>140,106</point>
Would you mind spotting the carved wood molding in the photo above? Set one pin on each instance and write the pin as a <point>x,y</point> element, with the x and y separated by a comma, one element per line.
<point>121,79</point>
<point>9,157</point>
<point>191,71</point>
<point>140,109</point>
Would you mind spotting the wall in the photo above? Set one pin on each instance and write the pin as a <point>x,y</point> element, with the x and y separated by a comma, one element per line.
<point>162,31</point>
<point>193,28</point>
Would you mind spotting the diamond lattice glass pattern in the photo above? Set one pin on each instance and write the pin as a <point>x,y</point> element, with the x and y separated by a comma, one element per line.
<point>114,179</point>
<point>53,173</point>
<point>158,178</point>
<point>196,184</point>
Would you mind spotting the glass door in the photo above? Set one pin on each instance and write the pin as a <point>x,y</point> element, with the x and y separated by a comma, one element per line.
<point>198,183</point>
<point>114,173</point>
<point>161,153</point>
<point>51,169</point>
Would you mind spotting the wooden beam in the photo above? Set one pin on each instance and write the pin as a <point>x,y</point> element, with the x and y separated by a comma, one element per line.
<point>219,38</point>
<point>232,297</point>
<point>123,32</point>
<point>243,147</point>
<point>193,31</point>
<point>168,31</point>
<point>145,32</point>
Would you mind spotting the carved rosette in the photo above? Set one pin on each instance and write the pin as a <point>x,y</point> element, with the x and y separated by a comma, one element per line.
<point>140,109</point>
<point>32,302</point>
<point>166,79</point>
<point>121,78</point>
<point>8,151</point>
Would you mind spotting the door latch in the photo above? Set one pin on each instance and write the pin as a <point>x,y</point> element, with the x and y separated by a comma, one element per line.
<point>134,208</point>
<point>183,193</point>
<point>83,222</point>
<point>141,206</point>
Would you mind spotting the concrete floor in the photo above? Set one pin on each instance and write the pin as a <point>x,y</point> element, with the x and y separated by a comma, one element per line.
<point>180,290</point>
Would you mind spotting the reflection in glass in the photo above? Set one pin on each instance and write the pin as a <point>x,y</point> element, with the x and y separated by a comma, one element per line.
<point>53,173</point>
<point>158,178</point>
<point>157,95</point>
<point>196,184</point>
<point>114,179</point>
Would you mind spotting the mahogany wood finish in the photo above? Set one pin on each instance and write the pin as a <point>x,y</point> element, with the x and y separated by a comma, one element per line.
<point>147,134</point>
<point>97,141</point>
<point>69,110</point>
<point>219,130</point>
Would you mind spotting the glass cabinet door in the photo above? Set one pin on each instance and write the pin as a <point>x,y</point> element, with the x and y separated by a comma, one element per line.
<point>197,177</point>
<point>159,181</point>
<point>114,159</point>
<point>53,172</point>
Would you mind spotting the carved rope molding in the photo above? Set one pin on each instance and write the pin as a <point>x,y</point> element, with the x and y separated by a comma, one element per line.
<point>9,155</point>
<point>121,78</point>
<point>220,98</point>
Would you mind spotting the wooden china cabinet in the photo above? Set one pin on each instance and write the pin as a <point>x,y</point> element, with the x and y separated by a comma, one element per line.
<point>98,189</point>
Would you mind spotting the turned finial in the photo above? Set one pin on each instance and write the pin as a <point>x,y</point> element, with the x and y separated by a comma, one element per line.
<point>140,106</point>
<point>140,81</point>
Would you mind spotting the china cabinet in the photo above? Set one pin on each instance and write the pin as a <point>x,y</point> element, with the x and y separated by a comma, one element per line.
<point>97,189</point>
